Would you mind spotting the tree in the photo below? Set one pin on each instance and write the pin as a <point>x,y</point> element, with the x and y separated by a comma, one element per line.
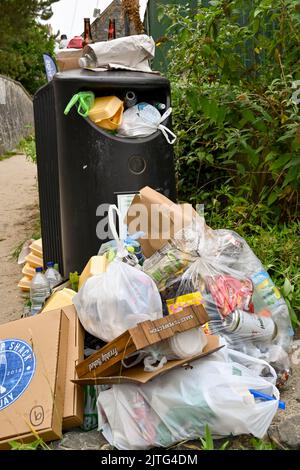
<point>23,40</point>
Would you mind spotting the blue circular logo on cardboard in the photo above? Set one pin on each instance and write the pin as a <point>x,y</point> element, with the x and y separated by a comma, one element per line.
<point>17,367</point>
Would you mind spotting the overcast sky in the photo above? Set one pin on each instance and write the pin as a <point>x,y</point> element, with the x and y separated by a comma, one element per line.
<point>68,14</point>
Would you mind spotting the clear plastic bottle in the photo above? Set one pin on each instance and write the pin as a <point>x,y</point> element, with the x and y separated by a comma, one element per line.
<point>159,106</point>
<point>52,275</point>
<point>39,291</point>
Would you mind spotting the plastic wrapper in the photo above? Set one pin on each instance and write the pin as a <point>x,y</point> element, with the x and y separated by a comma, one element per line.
<point>126,53</point>
<point>142,120</point>
<point>168,264</point>
<point>135,255</point>
<point>242,302</point>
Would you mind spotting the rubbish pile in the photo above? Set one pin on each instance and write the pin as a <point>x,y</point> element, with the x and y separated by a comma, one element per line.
<point>107,112</point>
<point>127,115</point>
<point>214,293</point>
<point>182,330</point>
<point>175,326</point>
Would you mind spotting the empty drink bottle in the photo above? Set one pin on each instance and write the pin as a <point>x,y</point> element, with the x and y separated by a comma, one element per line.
<point>52,275</point>
<point>39,291</point>
<point>111,30</point>
<point>87,39</point>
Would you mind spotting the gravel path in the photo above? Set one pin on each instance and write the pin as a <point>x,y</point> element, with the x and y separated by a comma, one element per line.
<point>18,212</point>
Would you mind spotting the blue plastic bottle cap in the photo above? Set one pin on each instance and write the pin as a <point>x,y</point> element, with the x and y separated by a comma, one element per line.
<point>38,270</point>
<point>50,264</point>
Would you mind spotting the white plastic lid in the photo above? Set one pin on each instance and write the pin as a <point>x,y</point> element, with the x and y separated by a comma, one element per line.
<point>188,343</point>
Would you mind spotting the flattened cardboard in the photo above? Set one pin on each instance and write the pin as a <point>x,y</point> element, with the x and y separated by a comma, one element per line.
<point>74,397</point>
<point>137,375</point>
<point>161,212</point>
<point>40,406</point>
<point>107,360</point>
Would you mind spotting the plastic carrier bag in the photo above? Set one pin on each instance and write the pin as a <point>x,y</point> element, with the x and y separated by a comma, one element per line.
<point>241,300</point>
<point>144,119</point>
<point>112,302</point>
<point>178,405</point>
<point>84,101</point>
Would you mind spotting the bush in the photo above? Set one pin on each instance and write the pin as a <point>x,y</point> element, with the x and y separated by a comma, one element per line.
<point>232,75</point>
<point>233,64</point>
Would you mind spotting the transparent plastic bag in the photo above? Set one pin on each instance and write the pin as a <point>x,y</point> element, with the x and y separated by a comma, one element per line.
<point>114,301</point>
<point>240,298</point>
<point>142,120</point>
<point>135,255</point>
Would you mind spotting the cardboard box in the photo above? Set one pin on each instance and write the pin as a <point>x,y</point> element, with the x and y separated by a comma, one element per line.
<point>137,375</point>
<point>74,397</point>
<point>107,361</point>
<point>59,299</point>
<point>163,216</point>
<point>68,59</point>
<point>33,359</point>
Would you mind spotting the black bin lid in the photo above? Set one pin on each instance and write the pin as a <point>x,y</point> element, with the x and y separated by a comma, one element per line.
<point>122,78</point>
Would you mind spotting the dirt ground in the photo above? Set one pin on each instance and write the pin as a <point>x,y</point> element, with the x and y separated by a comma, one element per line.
<point>18,212</point>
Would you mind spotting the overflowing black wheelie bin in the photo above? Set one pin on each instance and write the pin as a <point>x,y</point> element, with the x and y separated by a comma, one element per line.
<point>82,169</point>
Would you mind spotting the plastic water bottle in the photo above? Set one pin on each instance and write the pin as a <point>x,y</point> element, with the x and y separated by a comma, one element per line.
<point>39,291</point>
<point>52,275</point>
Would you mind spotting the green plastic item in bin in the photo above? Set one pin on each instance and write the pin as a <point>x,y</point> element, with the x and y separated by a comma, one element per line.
<point>84,100</point>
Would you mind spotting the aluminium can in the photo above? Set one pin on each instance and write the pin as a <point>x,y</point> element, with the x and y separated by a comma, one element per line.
<point>249,325</point>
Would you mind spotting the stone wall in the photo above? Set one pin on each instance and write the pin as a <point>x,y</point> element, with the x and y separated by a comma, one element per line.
<point>16,114</point>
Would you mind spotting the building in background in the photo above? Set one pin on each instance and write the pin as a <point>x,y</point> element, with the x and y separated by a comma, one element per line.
<point>125,24</point>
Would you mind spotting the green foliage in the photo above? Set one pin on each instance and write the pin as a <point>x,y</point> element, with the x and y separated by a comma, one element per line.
<point>27,146</point>
<point>232,67</point>
<point>7,155</point>
<point>259,444</point>
<point>207,442</point>
<point>23,40</point>
<point>38,444</point>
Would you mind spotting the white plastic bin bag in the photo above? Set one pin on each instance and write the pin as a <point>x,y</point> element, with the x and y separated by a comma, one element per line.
<point>112,302</point>
<point>179,404</point>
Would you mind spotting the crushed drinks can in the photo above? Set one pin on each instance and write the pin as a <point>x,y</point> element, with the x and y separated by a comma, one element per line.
<point>249,325</point>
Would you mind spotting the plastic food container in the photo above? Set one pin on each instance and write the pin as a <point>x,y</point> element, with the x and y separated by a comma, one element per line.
<point>107,112</point>
<point>37,248</point>
<point>25,284</point>
<point>28,271</point>
<point>34,261</point>
<point>96,265</point>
